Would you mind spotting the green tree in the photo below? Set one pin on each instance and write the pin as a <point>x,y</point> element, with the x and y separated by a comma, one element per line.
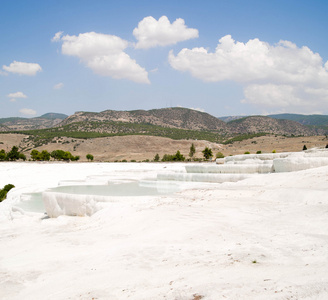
<point>35,155</point>
<point>304,148</point>
<point>5,190</point>
<point>156,158</point>
<point>192,150</point>
<point>3,155</point>
<point>13,154</point>
<point>67,156</point>
<point>178,156</point>
<point>57,154</point>
<point>207,152</point>
<point>22,156</point>
<point>44,155</point>
<point>89,157</point>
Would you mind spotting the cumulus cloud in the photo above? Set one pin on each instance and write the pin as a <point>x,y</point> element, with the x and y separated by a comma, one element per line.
<point>57,36</point>
<point>58,86</point>
<point>198,109</point>
<point>104,54</point>
<point>17,95</point>
<point>27,112</point>
<point>276,76</point>
<point>152,33</point>
<point>23,68</point>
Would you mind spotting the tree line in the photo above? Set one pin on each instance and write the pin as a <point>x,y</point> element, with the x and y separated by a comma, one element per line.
<point>44,155</point>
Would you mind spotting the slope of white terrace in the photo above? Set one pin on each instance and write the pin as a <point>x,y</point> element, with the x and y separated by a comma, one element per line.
<point>264,237</point>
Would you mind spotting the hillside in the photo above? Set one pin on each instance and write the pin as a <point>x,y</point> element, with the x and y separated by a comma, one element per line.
<point>176,117</point>
<point>176,123</point>
<point>45,121</point>
<point>257,124</point>
<point>316,120</point>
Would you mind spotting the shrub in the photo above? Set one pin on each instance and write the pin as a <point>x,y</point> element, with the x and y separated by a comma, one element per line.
<point>156,158</point>
<point>247,152</point>
<point>274,151</point>
<point>3,155</point>
<point>176,157</point>
<point>13,154</point>
<point>5,190</point>
<point>219,155</point>
<point>207,152</point>
<point>192,150</point>
<point>89,157</point>
<point>258,152</point>
<point>304,148</point>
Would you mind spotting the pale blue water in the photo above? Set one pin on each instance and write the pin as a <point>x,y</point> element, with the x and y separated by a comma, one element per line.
<point>33,202</point>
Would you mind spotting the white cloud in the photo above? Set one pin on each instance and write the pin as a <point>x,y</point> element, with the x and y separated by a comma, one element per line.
<point>198,109</point>
<point>58,86</point>
<point>23,68</point>
<point>17,95</point>
<point>275,76</point>
<point>152,33</point>
<point>57,36</point>
<point>104,54</point>
<point>27,112</point>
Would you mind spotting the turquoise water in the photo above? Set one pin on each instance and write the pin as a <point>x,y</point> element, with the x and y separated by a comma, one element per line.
<point>33,202</point>
<point>130,189</point>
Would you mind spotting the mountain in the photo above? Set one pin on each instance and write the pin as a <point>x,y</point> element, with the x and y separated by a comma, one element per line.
<point>230,118</point>
<point>174,122</point>
<point>53,116</point>
<point>175,117</point>
<point>257,124</point>
<point>316,120</point>
<point>45,121</point>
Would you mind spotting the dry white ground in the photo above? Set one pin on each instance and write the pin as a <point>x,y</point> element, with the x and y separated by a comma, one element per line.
<point>261,238</point>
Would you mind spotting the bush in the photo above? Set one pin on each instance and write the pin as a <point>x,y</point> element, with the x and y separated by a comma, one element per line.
<point>304,148</point>
<point>247,152</point>
<point>3,155</point>
<point>13,154</point>
<point>219,155</point>
<point>89,157</point>
<point>176,157</point>
<point>258,152</point>
<point>156,158</point>
<point>5,190</point>
<point>207,152</point>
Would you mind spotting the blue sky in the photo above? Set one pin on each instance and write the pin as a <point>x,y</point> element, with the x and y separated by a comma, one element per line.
<point>223,57</point>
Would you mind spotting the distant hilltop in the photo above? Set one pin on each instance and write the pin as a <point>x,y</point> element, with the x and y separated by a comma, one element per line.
<point>178,118</point>
<point>47,120</point>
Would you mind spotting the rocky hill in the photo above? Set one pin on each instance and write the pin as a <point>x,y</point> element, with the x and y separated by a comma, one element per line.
<point>45,121</point>
<point>176,117</point>
<point>167,122</point>
<point>317,120</point>
<point>257,124</point>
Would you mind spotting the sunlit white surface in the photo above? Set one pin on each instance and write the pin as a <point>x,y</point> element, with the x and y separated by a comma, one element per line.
<point>264,237</point>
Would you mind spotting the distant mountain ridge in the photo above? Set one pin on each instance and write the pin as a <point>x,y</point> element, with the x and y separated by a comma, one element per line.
<point>47,120</point>
<point>153,122</point>
<point>315,120</point>
<point>175,117</point>
<point>257,124</point>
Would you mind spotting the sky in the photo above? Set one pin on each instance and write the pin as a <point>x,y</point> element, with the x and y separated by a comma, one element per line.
<point>223,57</point>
